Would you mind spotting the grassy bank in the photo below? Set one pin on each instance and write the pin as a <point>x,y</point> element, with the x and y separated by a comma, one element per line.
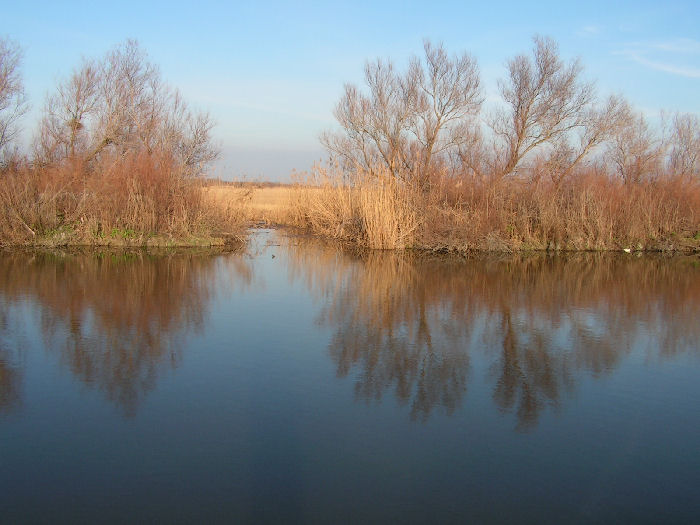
<point>590,212</point>
<point>134,200</point>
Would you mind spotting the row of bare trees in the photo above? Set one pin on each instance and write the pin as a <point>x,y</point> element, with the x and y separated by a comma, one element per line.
<point>117,149</point>
<point>112,106</point>
<point>408,121</point>
<point>549,122</point>
<point>13,102</point>
<point>121,103</point>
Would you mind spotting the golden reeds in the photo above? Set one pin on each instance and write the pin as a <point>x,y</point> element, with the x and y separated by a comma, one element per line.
<point>374,211</point>
<point>588,212</point>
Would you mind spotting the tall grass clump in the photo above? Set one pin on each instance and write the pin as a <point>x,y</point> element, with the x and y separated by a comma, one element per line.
<point>376,210</point>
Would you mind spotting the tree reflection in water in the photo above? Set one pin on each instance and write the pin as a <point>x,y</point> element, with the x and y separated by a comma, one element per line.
<point>117,319</point>
<point>11,358</point>
<point>410,323</point>
<point>10,381</point>
<point>416,326</point>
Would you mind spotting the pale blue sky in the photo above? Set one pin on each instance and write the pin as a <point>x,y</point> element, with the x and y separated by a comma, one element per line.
<point>270,73</point>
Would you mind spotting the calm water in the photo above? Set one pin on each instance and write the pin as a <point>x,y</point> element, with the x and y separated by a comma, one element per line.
<point>298,383</point>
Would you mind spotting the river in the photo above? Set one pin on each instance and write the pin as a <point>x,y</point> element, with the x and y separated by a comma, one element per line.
<point>296,382</point>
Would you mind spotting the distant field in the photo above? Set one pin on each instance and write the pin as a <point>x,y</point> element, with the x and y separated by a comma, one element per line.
<point>259,204</point>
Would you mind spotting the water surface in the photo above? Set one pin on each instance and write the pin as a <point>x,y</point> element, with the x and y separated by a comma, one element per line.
<point>295,382</point>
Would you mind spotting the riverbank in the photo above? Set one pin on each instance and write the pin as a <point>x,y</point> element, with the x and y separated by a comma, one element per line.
<point>591,213</point>
<point>139,202</point>
<point>129,239</point>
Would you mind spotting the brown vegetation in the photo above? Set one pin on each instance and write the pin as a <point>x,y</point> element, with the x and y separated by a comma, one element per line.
<point>117,159</point>
<point>137,198</point>
<point>417,162</point>
<point>373,208</point>
<point>590,212</point>
<point>551,167</point>
<point>12,99</point>
<point>258,204</point>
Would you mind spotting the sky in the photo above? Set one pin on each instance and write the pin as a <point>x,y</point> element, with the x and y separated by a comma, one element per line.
<point>270,73</point>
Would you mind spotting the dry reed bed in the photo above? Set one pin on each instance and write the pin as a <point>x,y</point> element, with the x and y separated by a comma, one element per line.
<point>132,199</point>
<point>590,212</point>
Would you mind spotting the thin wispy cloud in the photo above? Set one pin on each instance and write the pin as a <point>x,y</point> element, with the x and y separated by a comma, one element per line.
<point>589,30</point>
<point>679,45</point>
<point>684,71</point>
<point>679,56</point>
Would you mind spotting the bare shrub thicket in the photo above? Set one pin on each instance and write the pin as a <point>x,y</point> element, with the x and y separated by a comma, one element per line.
<point>550,166</point>
<point>685,145</point>
<point>409,122</point>
<point>117,149</point>
<point>121,104</point>
<point>13,103</point>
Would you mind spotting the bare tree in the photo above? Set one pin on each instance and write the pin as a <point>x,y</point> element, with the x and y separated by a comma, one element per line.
<point>545,99</point>
<point>187,134</point>
<point>685,145</point>
<point>597,125</point>
<point>374,125</point>
<point>13,103</point>
<point>406,120</point>
<point>636,151</point>
<point>120,105</point>
<point>474,156</point>
<point>65,127</point>
<point>448,99</point>
<point>132,97</point>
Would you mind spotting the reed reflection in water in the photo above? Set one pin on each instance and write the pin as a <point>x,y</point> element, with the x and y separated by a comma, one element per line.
<point>411,324</point>
<point>117,320</point>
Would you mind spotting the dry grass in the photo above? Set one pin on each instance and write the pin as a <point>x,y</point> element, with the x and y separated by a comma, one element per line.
<point>268,205</point>
<point>143,199</point>
<point>135,198</point>
<point>589,212</point>
<point>377,212</point>
<point>380,215</point>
